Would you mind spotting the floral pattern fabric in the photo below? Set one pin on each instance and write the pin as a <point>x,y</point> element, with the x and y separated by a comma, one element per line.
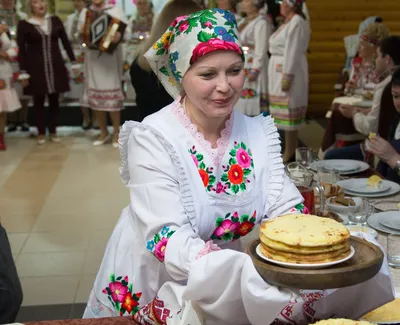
<point>236,173</point>
<point>120,294</point>
<point>199,34</point>
<point>232,226</point>
<point>158,244</point>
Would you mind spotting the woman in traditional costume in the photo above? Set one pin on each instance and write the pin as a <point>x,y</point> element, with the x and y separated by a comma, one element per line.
<point>288,73</point>
<point>43,71</point>
<point>255,32</point>
<point>103,74</point>
<point>342,131</point>
<point>201,176</point>
<point>9,101</point>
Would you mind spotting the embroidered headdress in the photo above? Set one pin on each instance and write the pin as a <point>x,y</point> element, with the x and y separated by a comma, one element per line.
<point>186,40</point>
<point>374,33</point>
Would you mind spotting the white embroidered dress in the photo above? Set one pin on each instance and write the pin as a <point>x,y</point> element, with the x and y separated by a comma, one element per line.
<point>184,193</point>
<point>255,36</point>
<point>9,101</point>
<point>288,48</point>
<point>103,72</point>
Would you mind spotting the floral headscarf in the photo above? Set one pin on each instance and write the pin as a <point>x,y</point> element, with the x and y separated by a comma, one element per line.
<point>189,38</point>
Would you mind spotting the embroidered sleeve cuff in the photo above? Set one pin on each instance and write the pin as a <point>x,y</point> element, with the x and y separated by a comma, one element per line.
<point>23,76</point>
<point>158,244</point>
<point>299,208</point>
<point>287,81</point>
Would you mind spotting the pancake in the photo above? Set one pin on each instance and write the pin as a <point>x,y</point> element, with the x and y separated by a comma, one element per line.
<point>389,313</point>
<point>341,321</point>
<point>304,259</point>
<point>304,230</point>
<point>302,250</point>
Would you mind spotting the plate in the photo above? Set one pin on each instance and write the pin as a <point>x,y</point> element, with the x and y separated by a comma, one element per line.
<point>364,265</point>
<point>306,266</point>
<point>363,104</point>
<point>391,219</point>
<point>394,188</point>
<point>341,209</point>
<point>360,186</point>
<point>373,221</point>
<point>344,166</point>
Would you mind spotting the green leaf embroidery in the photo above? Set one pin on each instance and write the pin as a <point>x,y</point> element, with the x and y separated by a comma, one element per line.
<point>214,237</point>
<point>232,153</point>
<point>235,189</point>
<point>224,177</point>
<point>108,291</point>
<point>117,306</point>
<point>164,71</point>
<point>130,290</point>
<point>244,218</point>
<point>235,219</point>
<point>204,37</point>
<point>135,310</point>
<point>160,52</point>
<point>112,278</point>
<point>237,146</point>
<point>227,236</point>
<point>252,163</point>
<point>192,23</point>
<point>243,145</point>
<point>211,179</point>
<point>230,25</point>
<point>236,236</point>
<point>172,39</point>
<point>228,215</point>
<point>219,221</point>
<point>112,302</point>
<point>252,219</point>
<point>232,161</point>
<point>202,165</point>
<point>124,283</point>
<point>243,187</point>
<point>246,172</point>
<point>199,157</point>
<point>170,233</point>
<point>119,278</point>
<point>156,238</point>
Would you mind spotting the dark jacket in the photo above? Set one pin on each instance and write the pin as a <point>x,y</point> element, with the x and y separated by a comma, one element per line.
<point>40,56</point>
<point>151,95</point>
<point>10,286</point>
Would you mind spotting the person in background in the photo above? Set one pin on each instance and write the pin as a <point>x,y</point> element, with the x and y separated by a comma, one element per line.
<point>151,95</point>
<point>9,101</point>
<point>255,32</point>
<point>76,81</point>
<point>232,6</point>
<point>43,72</point>
<point>388,151</point>
<point>143,20</point>
<point>341,130</point>
<point>10,16</point>
<point>103,76</point>
<point>10,286</point>
<point>288,74</point>
<point>378,118</point>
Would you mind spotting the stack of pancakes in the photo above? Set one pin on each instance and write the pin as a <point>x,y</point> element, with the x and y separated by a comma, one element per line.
<point>304,239</point>
<point>341,321</point>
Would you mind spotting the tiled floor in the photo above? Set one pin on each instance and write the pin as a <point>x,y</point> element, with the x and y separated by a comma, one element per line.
<point>59,204</point>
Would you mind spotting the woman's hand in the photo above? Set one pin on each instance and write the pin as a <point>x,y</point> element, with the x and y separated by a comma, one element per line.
<point>347,110</point>
<point>116,38</point>
<point>382,149</point>
<point>4,55</point>
<point>3,28</point>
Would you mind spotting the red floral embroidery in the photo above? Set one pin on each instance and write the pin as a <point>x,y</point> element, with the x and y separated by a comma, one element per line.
<point>235,174</point>
<point>121,296</point>
<point>232,227</point>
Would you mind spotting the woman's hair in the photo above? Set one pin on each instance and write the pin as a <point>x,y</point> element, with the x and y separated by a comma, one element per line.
<point>376,32</point>
<point>259,4</point>
<point>396,78</point>
<point>391,46</point>
<point>28,7</point>
<point>172,10</point>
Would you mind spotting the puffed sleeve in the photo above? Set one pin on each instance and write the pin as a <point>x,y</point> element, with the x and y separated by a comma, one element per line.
<point>163,205</point>
<point>296,44</point>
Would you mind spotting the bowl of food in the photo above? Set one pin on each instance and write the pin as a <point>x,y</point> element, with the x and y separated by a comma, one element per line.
<point>330,190</point>
<point>340,203</point>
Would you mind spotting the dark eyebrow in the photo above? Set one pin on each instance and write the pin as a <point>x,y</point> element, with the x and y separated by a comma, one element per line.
<point>233,64</point>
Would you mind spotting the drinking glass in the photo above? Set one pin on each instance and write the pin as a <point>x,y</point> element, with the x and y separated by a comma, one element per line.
<point>303,156</point>
<point>358,215</point>
<point>393,249</point>
<point>330,176</point>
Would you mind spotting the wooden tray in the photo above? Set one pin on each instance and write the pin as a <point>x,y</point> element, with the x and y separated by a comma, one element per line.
<point>364,265</point>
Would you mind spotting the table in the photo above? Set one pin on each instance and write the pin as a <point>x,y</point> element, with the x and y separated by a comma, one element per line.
<point>95,321</point>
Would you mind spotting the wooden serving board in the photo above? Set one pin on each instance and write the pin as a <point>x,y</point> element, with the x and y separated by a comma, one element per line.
<point>364,265</point>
